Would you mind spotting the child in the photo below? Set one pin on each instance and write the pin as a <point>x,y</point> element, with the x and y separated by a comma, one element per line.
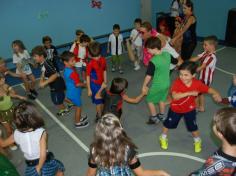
<point>178,27</point>
<point>81,56</point>
<point>137,43</point>
<point>115,43</point>
<point>96,75</point>
<point>164,29</point>
<point>231,99</point>
<point>74,88</point>
<point>184,91</point>
<point>50,76</point>
<point>207,66</point>
<point>120,156</point>
<point>21,58</point>
<point>7,106</point>
<point>222,162</point>
<point>113,99</point>
<point>157,71</point>
<point>78,34</point>
<point>32,139</point>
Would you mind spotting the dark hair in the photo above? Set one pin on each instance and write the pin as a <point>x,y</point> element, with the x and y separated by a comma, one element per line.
<point>190,66</point>
<point>26,116</point>
<point>225,122</point>
<point>147,25</point>
<point>212,39</point>
<point>116,26</point>
<point>94,49</point>
<point>66,56</point>
<point>19,43</point>
<point>189,4</point>
<point>40,51</point>
<point>153,43</point>
<point>118,85</point>
<point>79,32</point>
<point>84,38</point>
<point>138,20</point>
<point>46,38</point>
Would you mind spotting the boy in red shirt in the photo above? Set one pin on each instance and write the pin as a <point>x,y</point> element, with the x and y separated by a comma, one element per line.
<point>184,91</point>
<point>96,75</point>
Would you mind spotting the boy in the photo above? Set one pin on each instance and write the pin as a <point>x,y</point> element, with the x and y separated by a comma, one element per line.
<point>207,66</point>
<point>184,91</point>
<point>81,56</point>
<point>96,75</point>
<point>50,49</point>
<point>50,76</point>
<point>223,161</point>
<point>73,88</point>
<point>158,71</point>
<point>137,43</point>
<point>115,43</point>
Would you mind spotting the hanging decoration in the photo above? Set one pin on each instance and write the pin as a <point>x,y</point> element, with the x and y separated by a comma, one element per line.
<point>96,4</point>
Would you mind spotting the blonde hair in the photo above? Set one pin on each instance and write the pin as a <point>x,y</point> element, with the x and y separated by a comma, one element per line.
<point>110,143</point>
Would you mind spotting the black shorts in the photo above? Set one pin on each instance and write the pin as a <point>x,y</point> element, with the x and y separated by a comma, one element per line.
<point>57,97</point>
<point>173,119</point>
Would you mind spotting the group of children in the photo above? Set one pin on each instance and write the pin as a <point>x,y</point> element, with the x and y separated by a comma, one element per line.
<point>85,67</point>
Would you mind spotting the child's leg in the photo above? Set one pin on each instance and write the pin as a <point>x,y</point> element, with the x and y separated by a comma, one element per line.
<point>26,83</point>
<point>201,106</point>
<point>153,119</point>
<point>77,114</point>
<point>99,109</point>
<point>8,128</point>
<point>162,106</point>
<point>58,100</point>
<point>32,83</point>
<point>152,109</point>
<point>113,62</point>
<point>119,62</point>
<point>60,173</point>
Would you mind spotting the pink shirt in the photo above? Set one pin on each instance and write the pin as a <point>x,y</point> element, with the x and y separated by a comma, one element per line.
<point>146,55</point>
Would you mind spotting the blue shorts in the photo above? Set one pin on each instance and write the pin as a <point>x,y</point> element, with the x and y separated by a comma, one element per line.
<point>57,97</point>
<point>76,101</point>
<point>173,119</point>
<point>95,88</point>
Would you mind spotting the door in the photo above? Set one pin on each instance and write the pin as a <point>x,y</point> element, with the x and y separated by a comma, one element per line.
<point>146,10</point>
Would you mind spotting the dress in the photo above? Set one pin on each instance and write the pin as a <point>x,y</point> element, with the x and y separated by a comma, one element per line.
<point>161,78</point>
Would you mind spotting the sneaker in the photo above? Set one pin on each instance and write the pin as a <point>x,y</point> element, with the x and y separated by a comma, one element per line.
<point>83,118</point>
<point>31,96</point>
<point>113,69</point>
<point>161,117</point>
<point>153,120</point>
<point>97,118</point>
<point>198,146</point>
<point>63,112</point>
<point>163,143</point>
<point>34,92</point>
<point>81,124</point>
<point>13,147</point>
<point>121,71</point>
<point>70,106</point>
<point>137,67</point>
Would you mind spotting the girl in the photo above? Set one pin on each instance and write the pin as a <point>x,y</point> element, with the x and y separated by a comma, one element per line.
<point>21,58</point>
<point>188,32</point>
<point>113,98</point>
<point>6,106</point>
<point>184,91</point>
<point>32,139</point>
<point>113,152</point>
<point>178,27</point>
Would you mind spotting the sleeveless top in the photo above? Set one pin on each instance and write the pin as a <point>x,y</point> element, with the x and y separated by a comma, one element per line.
<point>190,35</point>
<point>5,103</point>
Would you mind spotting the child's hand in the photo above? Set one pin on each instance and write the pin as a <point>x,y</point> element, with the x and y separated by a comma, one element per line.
<point>145,90</point>
<point>104,85</point>
<point>193,93</point>
<point>89,92</point>
<point>42,84</point>
<point>217,98</point>
<point>163,173</point>
<point>37,169</point>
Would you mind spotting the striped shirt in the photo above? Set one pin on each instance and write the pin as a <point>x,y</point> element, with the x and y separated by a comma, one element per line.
<point>206,74</point>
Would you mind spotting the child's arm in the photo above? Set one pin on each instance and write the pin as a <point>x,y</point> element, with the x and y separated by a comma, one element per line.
<point>88,86</point>
<point>105,76</point>
<point>98,94</point>
<point>13,94</point>
<point>43,152</point>
<point>178,96</point>
<point>7,142</point>
<point>194,59</point>
<point>44,82</point>
<point>147,79</point>
<point>136,99</point>
<point>215,95</point>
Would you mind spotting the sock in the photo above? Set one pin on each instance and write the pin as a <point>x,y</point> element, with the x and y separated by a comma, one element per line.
<point>164,136</point>
<point>197,139</point>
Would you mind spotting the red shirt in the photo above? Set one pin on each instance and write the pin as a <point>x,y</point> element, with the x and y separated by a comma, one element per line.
<point>75,77</point>
<point>76,53</point>
<point>95,69</point>
<point>186,104</point>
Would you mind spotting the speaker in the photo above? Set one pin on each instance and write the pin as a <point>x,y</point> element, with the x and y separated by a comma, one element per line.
<point>230,36</point>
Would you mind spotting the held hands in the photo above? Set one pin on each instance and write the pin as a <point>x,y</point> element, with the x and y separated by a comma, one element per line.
<point>145,90</point>
<point>42,84</point>
<point>217,97</point>
<point>104,85</point>
<point>37,169</point>
<point>193,93</point>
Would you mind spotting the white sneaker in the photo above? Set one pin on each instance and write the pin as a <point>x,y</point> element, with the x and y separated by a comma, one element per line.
<point>13,147</point>
<point>137,67</point>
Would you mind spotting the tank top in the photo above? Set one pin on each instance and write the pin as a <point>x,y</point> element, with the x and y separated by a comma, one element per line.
<point>5,103</point>
<point>190,35</point>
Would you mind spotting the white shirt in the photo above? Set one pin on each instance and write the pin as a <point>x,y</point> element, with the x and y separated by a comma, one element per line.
<point>23,60</point>
<point>29,143</point>
<point>136,38</point>
<point>112,40</point>
<point>175,12</point>
<point>172,52</point>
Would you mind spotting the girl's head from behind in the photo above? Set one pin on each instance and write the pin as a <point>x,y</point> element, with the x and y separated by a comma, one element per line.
<point>26,117</point>
<point>118,85</point>
<point>111,142</point>
<point>187,71</point>
<point>224,125</point>
<point>18,46</point>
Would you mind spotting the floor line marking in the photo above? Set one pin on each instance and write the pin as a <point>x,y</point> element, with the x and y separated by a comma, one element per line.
<point>53,117</point>
<point>182,155</point>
